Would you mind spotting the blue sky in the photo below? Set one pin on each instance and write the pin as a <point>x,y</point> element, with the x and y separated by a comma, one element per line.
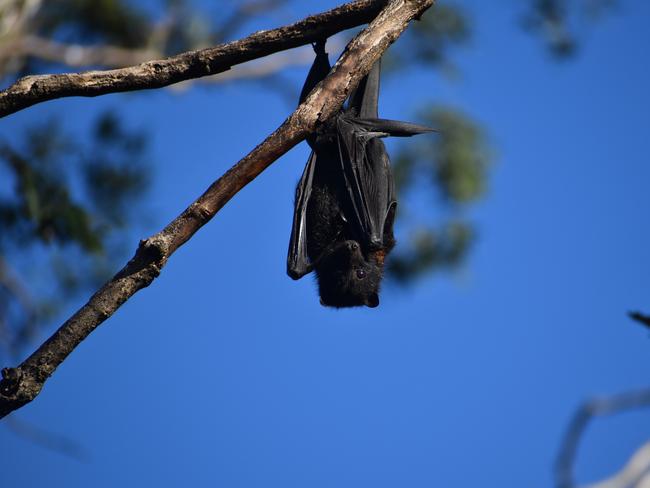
<point>227,373</point>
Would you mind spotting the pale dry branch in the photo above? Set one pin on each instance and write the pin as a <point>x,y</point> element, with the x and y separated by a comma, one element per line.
<point>79,56</point>
<point>635,474</point>
<point>15,14</point>
<point>22,384</point>
<point>598,407</point>
<point>17,41</point>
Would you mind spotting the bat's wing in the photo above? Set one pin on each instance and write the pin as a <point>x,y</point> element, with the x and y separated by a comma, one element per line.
<point>367,173</point>
<point>298,264</point>
<point>364,161</point>
<point>368,181</point>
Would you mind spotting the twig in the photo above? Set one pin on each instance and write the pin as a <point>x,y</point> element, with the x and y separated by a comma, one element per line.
<point>641,318</point>
<point>22,384</point>
<point>16,291</point>
<point>31,90</point>
<point>47,439</point>
<point>597,407</point>
<point>12,284</point>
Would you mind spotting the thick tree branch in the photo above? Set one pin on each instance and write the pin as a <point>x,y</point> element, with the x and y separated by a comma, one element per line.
<point>20,385</point>
<point>31,90</point>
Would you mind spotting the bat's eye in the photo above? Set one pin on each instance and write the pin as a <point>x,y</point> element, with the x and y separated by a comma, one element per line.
<point>361,274</point>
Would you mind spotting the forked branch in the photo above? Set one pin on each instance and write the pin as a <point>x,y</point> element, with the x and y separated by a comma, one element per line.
<point>597,407</point>
<point>22,384</point>
<point>31,90</point>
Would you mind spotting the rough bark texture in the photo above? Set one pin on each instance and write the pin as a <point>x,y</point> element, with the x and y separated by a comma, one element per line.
<point>31,90</point>
<point>22,384</point>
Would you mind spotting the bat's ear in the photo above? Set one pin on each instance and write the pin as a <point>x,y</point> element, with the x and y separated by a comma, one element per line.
<point>372,301</point>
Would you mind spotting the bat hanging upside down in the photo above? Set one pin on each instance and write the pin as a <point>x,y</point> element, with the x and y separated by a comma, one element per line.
<point>345,200</point>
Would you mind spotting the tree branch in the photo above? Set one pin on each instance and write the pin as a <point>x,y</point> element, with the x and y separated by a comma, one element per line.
<point>22,384</point>
<point>31,90</point>
<point>262,68</point>
<point>635,474</point>
<point>641,318</point>
<point>594,408</point>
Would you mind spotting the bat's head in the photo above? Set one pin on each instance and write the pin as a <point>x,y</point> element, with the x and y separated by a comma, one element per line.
<point>347,279</point>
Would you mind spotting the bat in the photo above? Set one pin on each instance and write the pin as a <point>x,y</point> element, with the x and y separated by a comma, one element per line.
<point>345,201</point>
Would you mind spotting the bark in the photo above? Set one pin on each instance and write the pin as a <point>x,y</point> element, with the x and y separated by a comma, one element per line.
<point>31,90</point>
<point>22,384</point>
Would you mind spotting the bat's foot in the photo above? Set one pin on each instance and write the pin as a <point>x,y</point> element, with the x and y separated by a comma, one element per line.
<point>319,47</point>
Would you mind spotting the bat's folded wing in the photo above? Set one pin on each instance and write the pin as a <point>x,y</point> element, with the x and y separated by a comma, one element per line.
<point>298,264</point>
<point>367,173</point>
<point>368,180</point>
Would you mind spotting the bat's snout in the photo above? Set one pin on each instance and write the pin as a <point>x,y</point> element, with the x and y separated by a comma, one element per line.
<point>352,246</point>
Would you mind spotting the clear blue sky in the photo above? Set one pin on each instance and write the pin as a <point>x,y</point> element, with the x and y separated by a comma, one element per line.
<point>227,373</point>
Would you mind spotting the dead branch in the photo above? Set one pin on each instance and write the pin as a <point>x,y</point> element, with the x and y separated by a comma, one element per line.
<point>593,408</point>
<point>22,384</point>
<point>31,90</point>
<point>635,474</point>
<point>262,68</point>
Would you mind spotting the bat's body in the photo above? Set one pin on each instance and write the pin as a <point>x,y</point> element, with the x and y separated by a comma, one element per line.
<point>345,201</point>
